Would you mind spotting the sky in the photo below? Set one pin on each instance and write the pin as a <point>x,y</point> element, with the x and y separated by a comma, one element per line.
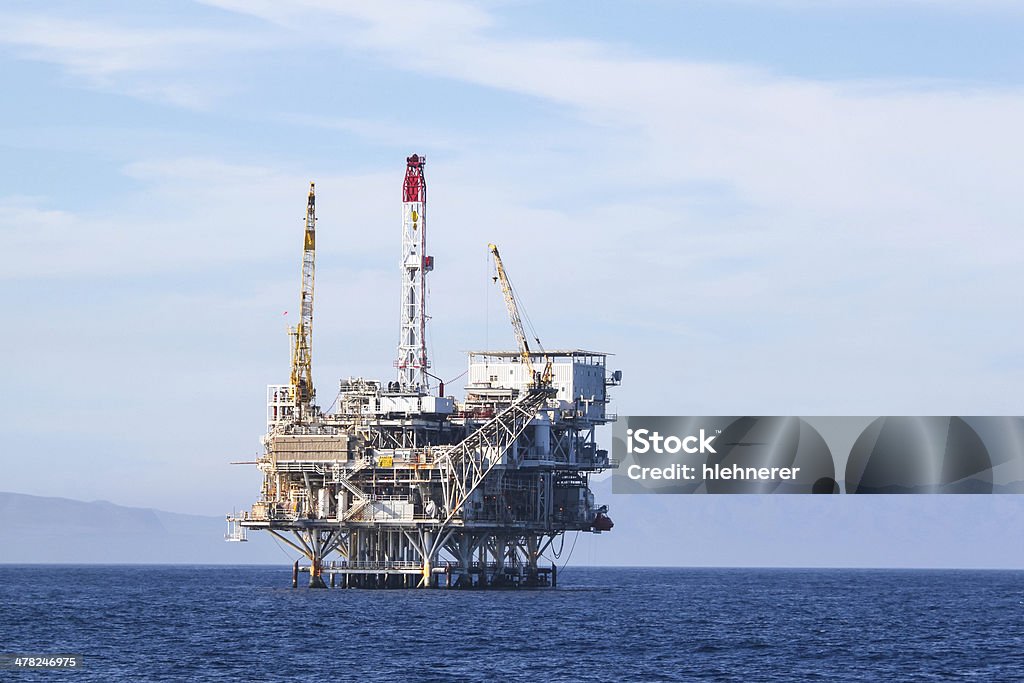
<point>778,207</point>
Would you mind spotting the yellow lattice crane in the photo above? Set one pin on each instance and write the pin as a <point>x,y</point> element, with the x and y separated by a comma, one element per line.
<point>544,377</point>
<point>302,347</point>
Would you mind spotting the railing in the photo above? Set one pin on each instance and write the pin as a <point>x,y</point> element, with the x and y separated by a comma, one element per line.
<point>264,512</point>
<point>381,565</point>
<point>301,466</point>
<point>602,464</point>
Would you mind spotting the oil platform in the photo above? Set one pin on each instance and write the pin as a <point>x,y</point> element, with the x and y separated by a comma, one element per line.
<point>402,486</point>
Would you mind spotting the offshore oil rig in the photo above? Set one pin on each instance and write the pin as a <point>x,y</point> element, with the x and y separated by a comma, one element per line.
<point>407,487</point>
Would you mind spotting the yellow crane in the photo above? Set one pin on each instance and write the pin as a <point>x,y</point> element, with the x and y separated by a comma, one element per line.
<point>543,378</point>
<point>302,348</point>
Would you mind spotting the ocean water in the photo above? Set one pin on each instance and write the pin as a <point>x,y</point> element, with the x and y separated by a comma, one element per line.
<point>180,623</point>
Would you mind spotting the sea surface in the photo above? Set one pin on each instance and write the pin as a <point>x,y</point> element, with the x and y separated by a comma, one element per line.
<point>215,623</point>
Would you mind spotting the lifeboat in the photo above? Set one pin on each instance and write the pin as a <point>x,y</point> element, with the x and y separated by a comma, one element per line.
<point>602,522</point>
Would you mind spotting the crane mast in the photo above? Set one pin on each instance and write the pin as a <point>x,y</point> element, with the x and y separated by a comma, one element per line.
<point>412,360</point>
<point>511,305</point>
<point>517,322</point>
<point>302,348</point>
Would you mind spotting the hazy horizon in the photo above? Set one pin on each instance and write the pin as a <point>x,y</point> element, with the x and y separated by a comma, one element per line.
<point>938,532</point>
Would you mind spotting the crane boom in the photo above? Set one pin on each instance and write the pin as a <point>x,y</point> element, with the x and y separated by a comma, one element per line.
<point>511,305</point>
<point>302,349</point>
<point>517,322</point>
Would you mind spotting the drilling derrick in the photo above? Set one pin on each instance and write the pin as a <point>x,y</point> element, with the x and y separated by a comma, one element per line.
<point>407,489</point>
<point>412,360</point>
<point>302,392</point>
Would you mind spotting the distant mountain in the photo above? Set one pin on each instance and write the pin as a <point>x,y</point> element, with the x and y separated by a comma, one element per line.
<point>40,529</point>
<point>969,531</point>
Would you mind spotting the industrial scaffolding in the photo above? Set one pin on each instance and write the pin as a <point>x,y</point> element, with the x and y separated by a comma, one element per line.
<point>402,487</point>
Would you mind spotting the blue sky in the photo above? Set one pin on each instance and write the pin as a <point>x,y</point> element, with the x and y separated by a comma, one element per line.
<point>761,206</point>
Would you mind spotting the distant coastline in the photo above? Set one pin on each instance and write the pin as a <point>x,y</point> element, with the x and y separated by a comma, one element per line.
<point>935,532</point>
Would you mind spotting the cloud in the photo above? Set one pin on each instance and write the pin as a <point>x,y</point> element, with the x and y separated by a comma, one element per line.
<point>859,214</point>
<point>818,223</point>
<point>396,18</point>
<point>187,214</point>
<point>382,131</point>
<point>153,63</point>
<point>780,142</point>
<point>930,6</point>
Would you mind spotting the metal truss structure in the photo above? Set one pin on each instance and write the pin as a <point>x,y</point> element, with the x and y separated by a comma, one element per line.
<point>402,488</point>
